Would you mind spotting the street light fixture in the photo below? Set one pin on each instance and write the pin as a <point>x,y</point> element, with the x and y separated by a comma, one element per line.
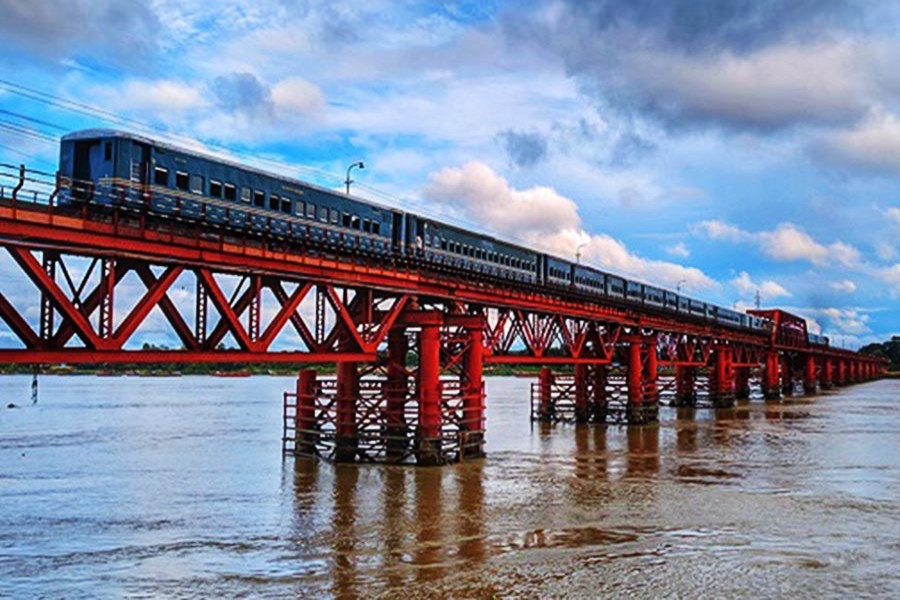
<point>348,181</point>
<point>578,252</point>
<point>678,285</point>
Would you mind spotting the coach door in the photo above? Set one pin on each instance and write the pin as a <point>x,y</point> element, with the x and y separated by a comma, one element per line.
<point>139,175</point>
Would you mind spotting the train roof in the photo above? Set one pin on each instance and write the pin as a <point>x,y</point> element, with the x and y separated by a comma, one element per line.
<point>87,134</point>
<point>201,152</point>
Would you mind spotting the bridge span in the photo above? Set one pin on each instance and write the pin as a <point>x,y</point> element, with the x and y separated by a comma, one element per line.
<point>410,338</point>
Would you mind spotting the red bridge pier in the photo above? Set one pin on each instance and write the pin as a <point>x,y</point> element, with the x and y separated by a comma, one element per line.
<point>422,402</point>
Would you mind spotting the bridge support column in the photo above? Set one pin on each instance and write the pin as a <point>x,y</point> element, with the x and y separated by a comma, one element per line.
<point>651,374</point>
<point>598,393</point>
<point>685,381</point>
<point>396,389</point>
<point>306,432</point>
<point>771,385</point>
<point>721,381</point>
<point>346,439</point>
<point>641,384</point>
<point>842,373</point>
<point>472,425</point>
<point>787,374</point>
<point>582,409</point>
<point>827,374</point>
<point>635,383</point>
<point>545,384</point>
<point>428,390</point>
<point>809,376</point>
<point>741,383</point>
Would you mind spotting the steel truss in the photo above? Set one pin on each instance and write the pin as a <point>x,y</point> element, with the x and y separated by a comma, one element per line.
<point>409,341</point>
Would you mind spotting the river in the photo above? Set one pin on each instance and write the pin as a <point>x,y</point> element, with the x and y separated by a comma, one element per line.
<point>176,487</point>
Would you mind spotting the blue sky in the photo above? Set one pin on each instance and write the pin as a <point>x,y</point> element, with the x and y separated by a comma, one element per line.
<point>726,146</point>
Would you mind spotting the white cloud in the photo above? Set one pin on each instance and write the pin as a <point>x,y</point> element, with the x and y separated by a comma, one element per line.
<point>719,230</point>
<point>545,219</point>
<point>787,242</point>
<point>162,95</point>
<point>885,251</point>
<point>767,289</point>
<point>872,145</point>
<point>845,286</point>
<point>891,276</point>
<point>893,214</point>
<point>679,250</point>
<point>297,95</point>
<point>489,200</point>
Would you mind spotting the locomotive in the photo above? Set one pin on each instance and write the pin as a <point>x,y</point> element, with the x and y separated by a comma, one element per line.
<point>120,169</point>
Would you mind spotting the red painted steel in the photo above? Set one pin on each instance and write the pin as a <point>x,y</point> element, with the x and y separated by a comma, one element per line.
<point>361,311</point>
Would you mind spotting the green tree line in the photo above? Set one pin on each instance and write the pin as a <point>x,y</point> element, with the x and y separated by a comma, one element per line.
<point>889,350</point>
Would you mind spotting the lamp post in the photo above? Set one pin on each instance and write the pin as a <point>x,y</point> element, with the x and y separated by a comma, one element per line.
<point>578,252</point>
<point>678,285</point>
<point>348,181</point>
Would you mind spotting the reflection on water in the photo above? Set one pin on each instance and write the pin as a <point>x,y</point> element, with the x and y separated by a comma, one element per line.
<point>165,489</point>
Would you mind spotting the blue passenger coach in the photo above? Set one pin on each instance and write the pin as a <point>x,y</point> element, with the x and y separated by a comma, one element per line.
<point>108,168</point>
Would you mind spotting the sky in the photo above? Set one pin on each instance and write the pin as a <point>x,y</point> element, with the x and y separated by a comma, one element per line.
<point>727,148</point>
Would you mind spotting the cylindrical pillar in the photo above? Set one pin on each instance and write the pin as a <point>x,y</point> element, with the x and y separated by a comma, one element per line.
<point>429,393</point>
<point>787,374</point>
<point>827,374</point>
<point>582,410</point>
<point>721,385</point>
<point>346,439</point>
<point>685,380</point>
<point>545,390</point>
<point>395,392</point>
<point>771,386</point>
<point>306,433</point>
<point>842,372</point>
<point>598,393</point>
<point>473,400</point>
<point>651,373</point>
<point>741,383</point>
<point>809,375</point>
<point>635,383</point>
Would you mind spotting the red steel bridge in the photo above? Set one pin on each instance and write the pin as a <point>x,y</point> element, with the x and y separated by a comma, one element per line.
<point>410,342</point>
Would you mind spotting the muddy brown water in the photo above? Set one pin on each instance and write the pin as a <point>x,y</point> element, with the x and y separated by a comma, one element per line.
<point>175,487</point>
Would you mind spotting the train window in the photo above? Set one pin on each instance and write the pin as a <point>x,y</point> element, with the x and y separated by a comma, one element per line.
<point>161,176</point>
<point>376,227</point>
<point>181,180</point>
<point>230,191</point>
<point>197,184</point>
<point>107,151</point>
<point>334,215</point>
<point>367,225</point>
<point>274,202</point>
<point>346,220</point>
<point>215,188</point>
<point>354,222</point>
<point>311,210</point>
<point>323,214</point>
<point>301,208</point>
<point>286,206</point>
<point>246,193</point>
<point>259,199</point>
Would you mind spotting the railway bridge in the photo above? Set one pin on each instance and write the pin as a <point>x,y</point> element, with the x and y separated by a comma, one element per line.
<point>411,341</point>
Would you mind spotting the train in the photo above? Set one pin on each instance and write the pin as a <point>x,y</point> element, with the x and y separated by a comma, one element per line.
<point>121,169</point>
